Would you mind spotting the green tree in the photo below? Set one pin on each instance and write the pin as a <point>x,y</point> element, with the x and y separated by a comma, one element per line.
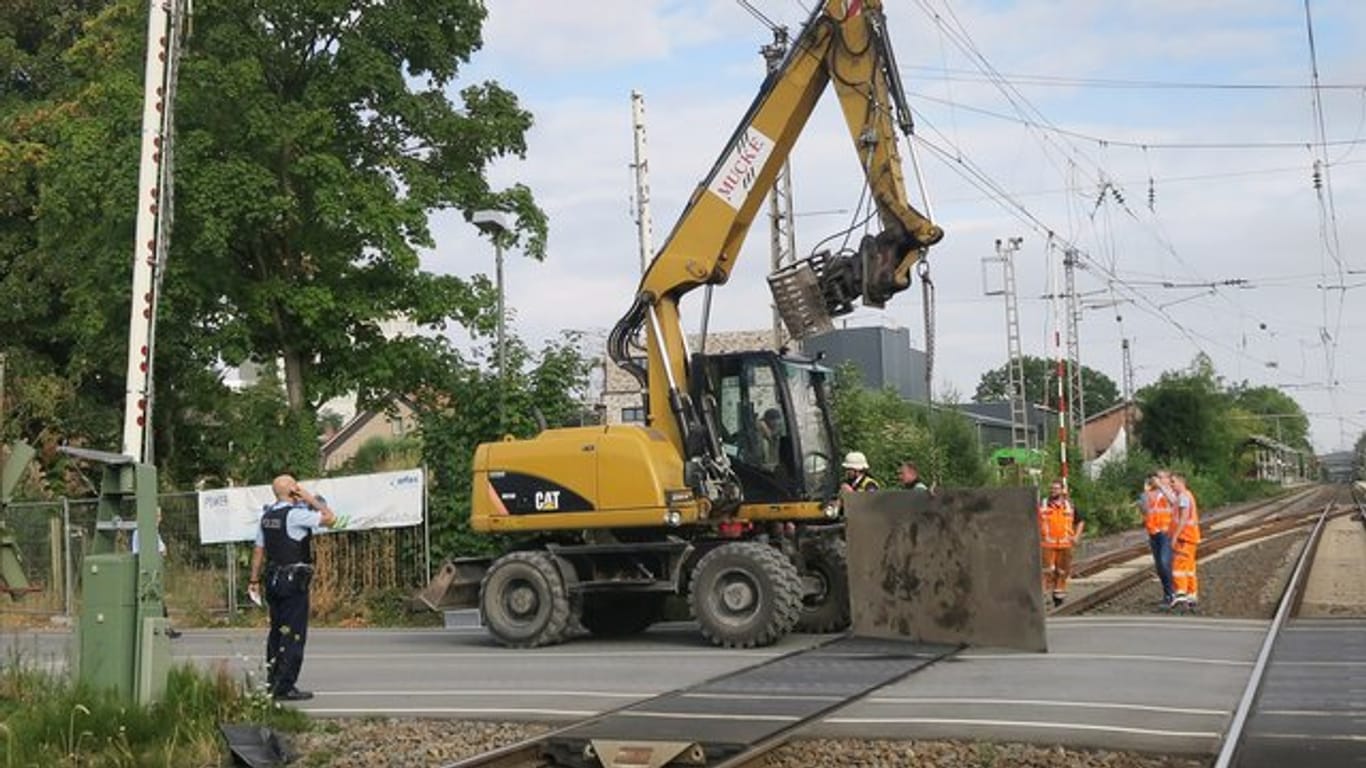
<point>1041,385</point>
<point>890,430</point>
<point>58,373</point>
<point>317,137</point>
<point>1185,416</point>
<point>469,403</point>
<point>1272,413</point>
<point>314,138</point>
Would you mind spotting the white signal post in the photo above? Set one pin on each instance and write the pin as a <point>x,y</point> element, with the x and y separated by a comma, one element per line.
<point>150,240</point>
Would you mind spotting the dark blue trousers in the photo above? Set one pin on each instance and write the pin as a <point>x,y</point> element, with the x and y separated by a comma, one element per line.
<point>1161,546</point>
<point>287,598</point>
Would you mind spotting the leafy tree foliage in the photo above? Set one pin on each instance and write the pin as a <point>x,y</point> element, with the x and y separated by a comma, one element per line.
<point>471,404</point>
<point>314,138</point>
<point>1185,416</point>
<point>385,454</point>
<point>1272,413</point>
<point>1041,385</point>
<point>890,430</point>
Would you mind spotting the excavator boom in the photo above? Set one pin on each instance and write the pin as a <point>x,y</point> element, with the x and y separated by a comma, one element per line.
<point>844,43</point>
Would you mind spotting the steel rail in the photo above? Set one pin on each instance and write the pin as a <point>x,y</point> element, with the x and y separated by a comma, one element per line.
<point>1259,510</point>
<point>756,756</point>
<point>1217,542</point>
<point>1289,601</point>
<point>528,752</point>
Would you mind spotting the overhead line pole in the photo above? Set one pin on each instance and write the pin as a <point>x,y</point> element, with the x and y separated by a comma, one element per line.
<point>782,228</point>
<point>644,221</point>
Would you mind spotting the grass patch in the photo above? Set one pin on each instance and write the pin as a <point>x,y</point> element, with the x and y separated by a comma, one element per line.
<point>47,720</point>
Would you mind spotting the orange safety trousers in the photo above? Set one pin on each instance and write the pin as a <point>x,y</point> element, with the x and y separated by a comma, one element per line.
<point>1057,566</point>
<point>1184,580</point>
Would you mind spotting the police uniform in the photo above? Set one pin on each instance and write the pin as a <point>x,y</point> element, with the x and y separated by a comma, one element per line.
<point>286,533</point>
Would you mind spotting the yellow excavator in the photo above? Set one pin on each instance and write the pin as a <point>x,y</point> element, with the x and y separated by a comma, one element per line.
<point>728,494</point>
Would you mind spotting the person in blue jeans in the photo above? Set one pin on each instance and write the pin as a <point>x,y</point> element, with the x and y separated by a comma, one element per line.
<point>1156,502</point>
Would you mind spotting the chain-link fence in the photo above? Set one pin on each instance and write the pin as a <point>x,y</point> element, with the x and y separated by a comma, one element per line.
<point>204,582</point>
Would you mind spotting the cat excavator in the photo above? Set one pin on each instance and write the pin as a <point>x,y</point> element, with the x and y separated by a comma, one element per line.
<point>728,495</point>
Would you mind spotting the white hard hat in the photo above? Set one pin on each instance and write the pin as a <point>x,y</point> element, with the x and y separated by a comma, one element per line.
<point>855,460</point>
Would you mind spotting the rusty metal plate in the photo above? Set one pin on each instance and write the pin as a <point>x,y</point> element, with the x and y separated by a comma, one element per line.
<point>959,567</point>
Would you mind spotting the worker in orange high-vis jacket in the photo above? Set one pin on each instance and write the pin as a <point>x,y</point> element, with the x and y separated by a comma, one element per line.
<point>1156,502</point>
<point>1060,528</point>
<point>1185,541</point>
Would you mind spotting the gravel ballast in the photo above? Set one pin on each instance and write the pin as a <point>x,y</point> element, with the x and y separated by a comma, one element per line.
<point>1243,583</point>
<point>394,743</point>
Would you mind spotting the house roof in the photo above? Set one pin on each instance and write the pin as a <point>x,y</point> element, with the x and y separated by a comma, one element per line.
<point>356,424</point>
<point>1112,409</point>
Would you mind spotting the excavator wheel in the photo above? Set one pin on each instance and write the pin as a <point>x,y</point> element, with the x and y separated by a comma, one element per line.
<point>523,600</point>
<point>622,613</point>
<point>827,565</point>
<point>745,594</point>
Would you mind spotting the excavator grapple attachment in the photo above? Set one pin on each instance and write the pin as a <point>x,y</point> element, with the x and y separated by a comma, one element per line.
<point>960,567</point>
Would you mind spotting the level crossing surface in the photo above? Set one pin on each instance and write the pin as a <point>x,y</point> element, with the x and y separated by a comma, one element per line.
<point>1165,684</point>
<point>1312,706</point>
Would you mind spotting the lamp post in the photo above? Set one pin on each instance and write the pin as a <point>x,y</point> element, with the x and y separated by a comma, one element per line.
<point>496,224</point>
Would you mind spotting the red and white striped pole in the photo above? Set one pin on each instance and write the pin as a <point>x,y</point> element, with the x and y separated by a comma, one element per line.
<point>156,111</point>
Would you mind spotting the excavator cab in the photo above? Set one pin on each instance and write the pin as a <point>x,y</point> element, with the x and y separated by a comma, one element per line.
<point>771,416</point>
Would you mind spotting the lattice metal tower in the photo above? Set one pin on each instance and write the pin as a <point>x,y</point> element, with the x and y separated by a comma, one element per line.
<point>782,232</point>
<point>1076,407</point>
<point>1019,413</point>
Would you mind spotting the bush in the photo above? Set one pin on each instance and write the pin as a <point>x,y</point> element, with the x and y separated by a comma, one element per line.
<point>49,721</point>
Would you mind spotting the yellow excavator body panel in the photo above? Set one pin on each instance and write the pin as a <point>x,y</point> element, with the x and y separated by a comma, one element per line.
<point>620,476</point>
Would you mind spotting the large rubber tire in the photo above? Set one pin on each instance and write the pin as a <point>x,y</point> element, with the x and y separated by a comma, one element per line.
<point>745,594</point>
<point>523,600</point>
<point>826,560</point>
<point>622,613</point>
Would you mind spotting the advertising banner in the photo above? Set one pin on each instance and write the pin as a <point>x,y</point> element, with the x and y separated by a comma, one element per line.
<point>380,500</point>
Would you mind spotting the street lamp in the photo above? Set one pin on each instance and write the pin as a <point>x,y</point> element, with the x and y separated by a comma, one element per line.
<point>496,224</point>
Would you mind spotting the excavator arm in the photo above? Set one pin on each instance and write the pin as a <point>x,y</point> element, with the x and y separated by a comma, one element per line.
<point>844,42</point>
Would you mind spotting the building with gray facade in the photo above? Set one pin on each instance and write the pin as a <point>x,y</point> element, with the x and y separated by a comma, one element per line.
<point>882,355</point>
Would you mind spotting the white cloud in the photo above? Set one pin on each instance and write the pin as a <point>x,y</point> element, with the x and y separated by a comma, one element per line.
<point>542,36</point>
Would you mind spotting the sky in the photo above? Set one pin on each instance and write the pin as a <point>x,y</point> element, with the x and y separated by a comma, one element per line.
<point>1095,125</point>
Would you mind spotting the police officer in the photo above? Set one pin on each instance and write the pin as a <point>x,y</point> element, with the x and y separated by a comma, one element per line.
<point>282,547</point>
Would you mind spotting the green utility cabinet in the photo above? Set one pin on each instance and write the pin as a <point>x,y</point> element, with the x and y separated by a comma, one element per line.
<point>109,622</point>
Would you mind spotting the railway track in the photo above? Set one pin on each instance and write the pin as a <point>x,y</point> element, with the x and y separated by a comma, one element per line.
<point>1233,516</point>
<point>727,722</point>
<point>1229,530</point>
<point>1302,704</point>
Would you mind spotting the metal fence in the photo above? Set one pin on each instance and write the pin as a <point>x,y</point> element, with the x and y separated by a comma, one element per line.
<point>204,582</point>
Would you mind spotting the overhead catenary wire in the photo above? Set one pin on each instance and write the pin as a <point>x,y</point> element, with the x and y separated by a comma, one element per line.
<point>1071,81</point>
<point>1043,128</point>
<point>1146,144</point>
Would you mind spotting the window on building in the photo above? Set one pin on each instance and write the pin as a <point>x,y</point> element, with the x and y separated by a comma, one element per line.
<point>634,415</point>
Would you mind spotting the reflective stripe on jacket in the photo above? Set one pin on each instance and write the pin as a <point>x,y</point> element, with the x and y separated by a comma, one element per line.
<point>1055,524</point>
<point>1157,516</point>
<point>864,483</point>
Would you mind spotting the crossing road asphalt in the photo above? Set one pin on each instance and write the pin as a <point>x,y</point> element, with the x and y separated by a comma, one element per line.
<point>1161,684</point>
